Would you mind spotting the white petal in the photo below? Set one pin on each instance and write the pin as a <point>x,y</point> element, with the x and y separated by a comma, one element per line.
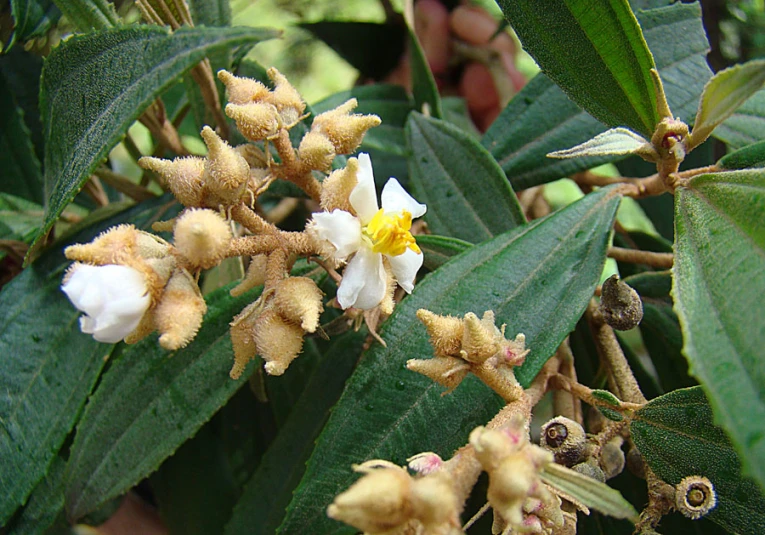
<point>364,196</point>
<point>339,228</point>
<point>395,198</point>
<point>363,284</point>
<point>405,266</point>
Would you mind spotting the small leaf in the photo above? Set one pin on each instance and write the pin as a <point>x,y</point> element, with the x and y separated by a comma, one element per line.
<point>606,397</point>
<point>438,250</point>
<point>723,95</point>
<point>147,405</point>
<point>616,141</point>
<point>595,52</point>
<point>744,158</point>
<point>112,76</point>
<point>89,14</point>
<point>677,438</point>
<point>589,491</point>
<point>719,281</point>
<point>467,194</point>
<point>537,278</point>
<point>31,18</point>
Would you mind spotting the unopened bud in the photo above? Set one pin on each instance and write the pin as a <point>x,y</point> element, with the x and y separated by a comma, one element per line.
<point>202,237</point>
<point>425,463</point>
<point>317,152</point>
<point>434,502</point>
<point>345,130</point>
<point>279,342</point>
<point>566,440</point>
<point>256,121</point>
<point>481,338</point>
<point>337,187</point>
<point>445,332</point>
<point>286,98</point>
<point>509,485</point>
<point>242,90</point>
<point>255,276</point>
<point>620,304</point>
<point>184,177</point>
<point>110,247</point>
<point>299,301</point>
<point>493,446</point>
<point>178,315</point>
<point>695,496</point>
<point>446,371</point>
<point>226,172</point>
<point>242,340</point>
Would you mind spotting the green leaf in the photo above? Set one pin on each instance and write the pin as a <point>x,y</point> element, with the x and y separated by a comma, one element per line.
<point>541,119</point>
<point>719,280</point>
<point>424,89</point>
<point>147,404</point>
<point>746,125</point>
<point>676,436</point>
<point>589,491</point>
<point>210,12</point>
<point>595,52</point>
<point>537,278</point>
<point>32,18</point>
<point>44,504</point>
<point>723,95</point>
<point>438,250</point>
<point>49,366</point>
<point>358,43</point>
<point>269,491</point>
<point>21,71</point>
<point>22,175</point>
<point>613,142</point>
<point>94,87</point>
<point>744,158</point>
<point>89,14</point>
<point>467,194</point>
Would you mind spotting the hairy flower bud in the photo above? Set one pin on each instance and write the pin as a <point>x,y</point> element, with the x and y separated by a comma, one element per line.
<point>255,276</point>
<point>446,371</point>
<point>591,470</point>
<point>481,338</point>
<point>445,332</point>
<point>226,171</point>
<point>278,341</point>
<point>565,439</point>
<point>184,177</point>
<point>317,152</point>
<point>695,496</point>
<point>242,339</point>
<point>179,314</point>
<point>299,301</point>
<point>434,502</point>
<point>286,98</point>
<point>345,130</point>
<point>425,463</point>
<point>118,245</point>
<point>256,121</point>
<point>337,187</point>
<point>620,304</point>
<point>202,237</point>
<point>242,90</point>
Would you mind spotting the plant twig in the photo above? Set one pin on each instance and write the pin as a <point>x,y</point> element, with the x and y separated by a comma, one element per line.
<point>124,185</point>
<point>636,256</point>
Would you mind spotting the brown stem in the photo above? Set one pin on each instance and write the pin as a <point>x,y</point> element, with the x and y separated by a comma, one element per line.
<point>124,185</point>
<point>660,502</point>
<point>565,403</point>
<point>636,256</point>
<point>203,76</point>
<point>494,379</point>
<point>95,191</point>
<point>164,132</point>
<point>292,168</point>
<point>252,221</point>
<point>293,242</point>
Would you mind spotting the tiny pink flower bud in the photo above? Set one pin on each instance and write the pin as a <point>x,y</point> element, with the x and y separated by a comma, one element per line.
<point>425,463</point>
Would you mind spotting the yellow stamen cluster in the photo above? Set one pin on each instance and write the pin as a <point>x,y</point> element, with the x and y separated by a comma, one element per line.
<point>390,233</point>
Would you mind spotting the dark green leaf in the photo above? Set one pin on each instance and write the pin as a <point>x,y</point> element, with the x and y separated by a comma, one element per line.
<point>359,43</point>
<point>744,158</point>
<point>537,278</point>
<point>32,18</point>
<point>22,175</point>
<point>746,125</point>
<point>147,405</point>
<point>424,89</point>
<point>210,12</point>
<point>719,280</point>
<point>89,14</point>
<point>49,367</point>
<point>94,87</point>
<point>438,250</point>
<point>595,52</point>
<point>676,436</point>
<point>541,119</point>
<point>45,503</point>
<point>268,493</point>
<point>21,71</point>
<point>467,194</point>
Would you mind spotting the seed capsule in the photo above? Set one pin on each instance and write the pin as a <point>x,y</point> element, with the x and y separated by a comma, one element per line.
<point>565,439</point>
<point>695,496</point>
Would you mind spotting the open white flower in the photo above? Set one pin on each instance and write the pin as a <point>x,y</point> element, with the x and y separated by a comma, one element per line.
<point>375,232</point>
<point>114,299</point>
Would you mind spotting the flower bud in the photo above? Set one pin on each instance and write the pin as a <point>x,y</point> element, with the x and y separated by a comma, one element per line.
<point>226,172</point>
<point>620,304</point>
<point>425,463</point>
<point>256,121</point>
<point>446,371</point>
<point>299,301</point>
<point>565,439</point>
<point>345,131</point>
<point>279,342</point>
<point>179,314</point>
<point>242,339</point>
<point>695,496</point>
<point>434,502</point>
<point>317,152</point>
<point>242,90</point>
<point>286,98</point>
<point>184,177</point>
<point>255,276</point>
<point>445,332</point>
<point>202,237</point>
<point>110,247</point>
<point>337,187</point>
<point>481,337</point>
<point>509,485</point>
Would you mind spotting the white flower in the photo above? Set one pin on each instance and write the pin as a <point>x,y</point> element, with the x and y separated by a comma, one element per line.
<point>375,233</point>
<point>114,299</point>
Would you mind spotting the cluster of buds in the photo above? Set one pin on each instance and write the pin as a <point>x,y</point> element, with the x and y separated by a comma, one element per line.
<point>387,499</point>
<point>469,344</point>
<point>520,500</point>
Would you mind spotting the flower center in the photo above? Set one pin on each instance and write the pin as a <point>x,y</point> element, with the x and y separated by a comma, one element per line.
<point>389,233</point>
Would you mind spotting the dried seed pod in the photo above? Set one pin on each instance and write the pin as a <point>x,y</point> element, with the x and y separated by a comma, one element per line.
<point>695,496</point>
<point>620,304</point>
<point>565,439</point>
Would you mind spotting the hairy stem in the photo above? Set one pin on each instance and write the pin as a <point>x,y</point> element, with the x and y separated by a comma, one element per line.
<point>636,256</point>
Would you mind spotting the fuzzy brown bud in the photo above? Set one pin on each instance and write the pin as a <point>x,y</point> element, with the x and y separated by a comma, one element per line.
<point>481,338</point>
<point>566,440</point>
<point>446,371</point>
<point>695,496</point>
<point>178,315</point>
<point>434,502</point>
<point>226,171</point>
<point>242,340</point>
<point>184,177</point>
<point>278,341</point>
<point>202,237</point>
<point>336,188</point>
<point>345,130</point>
<point>445,332</point>
<point>299,301</point>
<point>317,152</point>
<point>256,121</point>
<point>242,90</point>
<point>255,276</point>
<point>286,98</point>
<point>620,304</point>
